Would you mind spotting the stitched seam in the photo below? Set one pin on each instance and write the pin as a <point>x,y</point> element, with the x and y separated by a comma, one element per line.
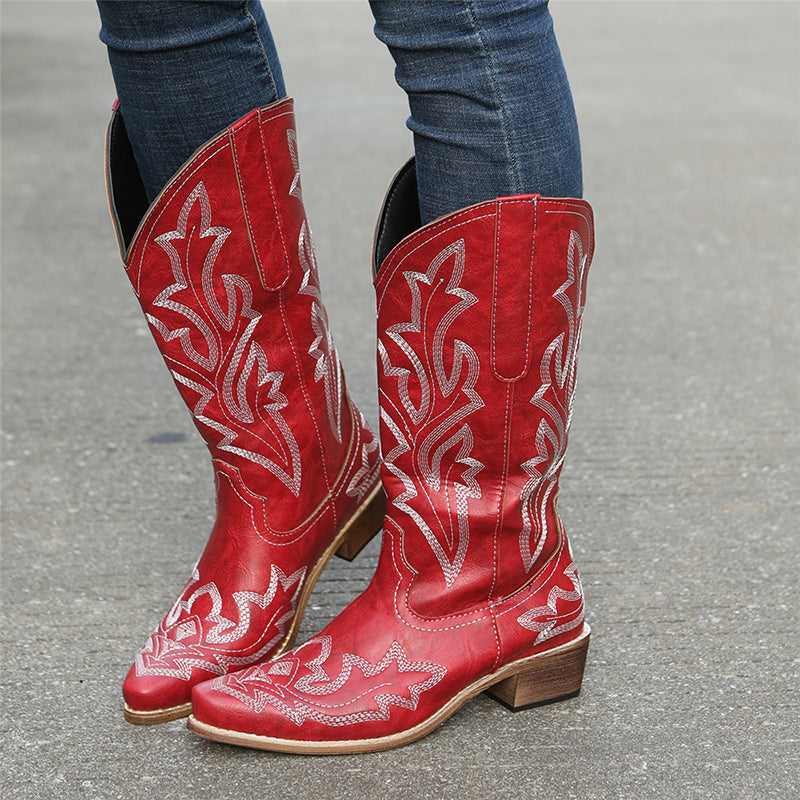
<point>350,466</point>
<point>499,97</point>
<point>186,368</point>
<point>411,611</point>
<point>278,220</point>
<point>432,628</point>
<point>296,533</point>
<point>497,228</point>
<point>309,522</point>
<point>496,630</point>
<point>243,194</point>
<point>579,205</point>
<point>500,511</point>
<point>528,347</point>
<point>247,13</point>
<point>311,699</point>
<point>526,364</point>
<point>413,614</point>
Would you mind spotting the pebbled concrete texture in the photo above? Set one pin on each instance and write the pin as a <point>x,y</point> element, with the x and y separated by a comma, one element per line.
<point>681,486</point>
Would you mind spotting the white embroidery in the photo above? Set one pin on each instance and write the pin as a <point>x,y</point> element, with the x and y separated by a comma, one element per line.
<point>272,684</point>
<point>544,619</point>
<point>295,190</point>
<point>438,405</point>
<point>279,402</point>
<point>369,467</point>
<point>209,362</point>
<point>558,369</point>
<point>225,373</point>
<point>327,369</point>
<point>167,653</point>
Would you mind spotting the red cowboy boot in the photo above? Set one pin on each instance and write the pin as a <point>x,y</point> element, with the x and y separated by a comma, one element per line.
<point>223,265</point>
<point>479,320</point>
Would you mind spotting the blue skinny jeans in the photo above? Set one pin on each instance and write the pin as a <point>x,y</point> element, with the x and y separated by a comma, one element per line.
<point>491,108</point>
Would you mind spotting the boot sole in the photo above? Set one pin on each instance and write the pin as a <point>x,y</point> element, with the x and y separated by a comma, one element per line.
<point>547,677</point>
<point>348,542</point>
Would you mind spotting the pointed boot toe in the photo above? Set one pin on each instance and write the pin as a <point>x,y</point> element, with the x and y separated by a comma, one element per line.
<point>242,708</point>
<point>152,699</point>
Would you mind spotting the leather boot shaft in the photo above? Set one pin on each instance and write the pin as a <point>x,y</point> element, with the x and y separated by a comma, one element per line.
<point>224,267</point>
<point>479,319</point>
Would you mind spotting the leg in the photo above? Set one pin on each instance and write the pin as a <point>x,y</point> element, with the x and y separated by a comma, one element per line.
<point>185,70</point>
<point>491,109</point>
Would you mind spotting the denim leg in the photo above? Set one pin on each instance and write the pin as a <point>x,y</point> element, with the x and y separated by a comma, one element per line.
<point>491,108</point>
<point>184,71</point>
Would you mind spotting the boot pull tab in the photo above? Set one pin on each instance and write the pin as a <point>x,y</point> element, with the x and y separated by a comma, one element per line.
<point>258,194</point>
<point>512,286</point>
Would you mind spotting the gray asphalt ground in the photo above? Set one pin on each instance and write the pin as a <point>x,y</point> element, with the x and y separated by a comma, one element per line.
<point>681,487</point>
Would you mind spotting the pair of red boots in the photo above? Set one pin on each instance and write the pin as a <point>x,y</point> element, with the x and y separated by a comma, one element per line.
<point>479,321</point>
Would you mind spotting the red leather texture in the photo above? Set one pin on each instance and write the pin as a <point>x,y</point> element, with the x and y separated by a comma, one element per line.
<point>224,268</point>
<point>479,322</point>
